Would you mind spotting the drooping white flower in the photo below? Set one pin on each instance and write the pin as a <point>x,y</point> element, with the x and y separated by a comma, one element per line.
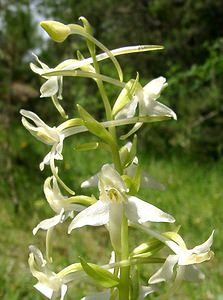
<point>113,203</point>
<point>49,283</point>
<point>146,99</point>
<point>61,205</point>
<point>46,134</point>
<point>185,259</point>
<point>53,85</point>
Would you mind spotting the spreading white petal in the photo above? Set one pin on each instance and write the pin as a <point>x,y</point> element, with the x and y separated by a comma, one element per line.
<point>95,215</point>
<point>166,271</point>
<point>45,290</point>
<point>205,247</point>
<point>155,108</point>
<point>139,211</point>
<point>49,223</point>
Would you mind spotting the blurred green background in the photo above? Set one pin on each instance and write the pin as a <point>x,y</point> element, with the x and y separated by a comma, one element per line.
<point>185,155</point>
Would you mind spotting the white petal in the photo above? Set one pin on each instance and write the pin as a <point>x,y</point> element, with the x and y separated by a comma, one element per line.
<point>190,273</point>
<point>205,247</point>
<point>139,211</point>
<point>49,223</point>
<point>43,65</point>
<point>41,262</point>
<point>63,291</point>
<point>95,215</point>
<point>110,178</point>
<point>128,111</point>
<point>145,291</point>
<point>50,87</point>
<point>91,182</point>
<point>45,290</point>
<point>32,116</point>
<point>36,69</point>
<point>98,296</point>
<point>154,87</point>
<point>166,271</point>
<point>46,160</point>
<point>150,182</point>
<point>155,108</point>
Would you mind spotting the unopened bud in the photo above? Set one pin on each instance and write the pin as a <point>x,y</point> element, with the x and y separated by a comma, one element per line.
<point>56,30</point>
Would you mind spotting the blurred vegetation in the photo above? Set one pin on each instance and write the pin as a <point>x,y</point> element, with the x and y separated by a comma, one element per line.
<point>188,152</point>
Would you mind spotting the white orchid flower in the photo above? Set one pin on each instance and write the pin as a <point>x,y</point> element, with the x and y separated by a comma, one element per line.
<point>53,136</point>
<point>54,84</point>
<point>46,134</point>
<point>146,98</point>
<point>113,203</point>
<point>185,259</point>
<point>147,181</point>
<point>61,205</point>
<point>50,284</point>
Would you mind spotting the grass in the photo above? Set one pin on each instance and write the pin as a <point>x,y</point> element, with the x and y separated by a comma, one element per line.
<point>193,196</point>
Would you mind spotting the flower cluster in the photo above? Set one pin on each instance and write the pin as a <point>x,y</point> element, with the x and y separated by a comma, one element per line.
<point>117,206</point>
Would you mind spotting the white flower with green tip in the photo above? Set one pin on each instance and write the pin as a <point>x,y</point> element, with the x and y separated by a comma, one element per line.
<point>53,85</point>
<point>61,205</point>
<point>46,134</point>
<point>49,283</point>
<point>185,259</point>
<point>113,203</point>
<point>146,98</point>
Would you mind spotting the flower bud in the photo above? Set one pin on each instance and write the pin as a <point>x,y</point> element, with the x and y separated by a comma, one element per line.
<point>56,30</point>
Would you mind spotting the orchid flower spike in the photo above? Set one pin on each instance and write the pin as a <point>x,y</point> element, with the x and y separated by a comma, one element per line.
<point>113,202</point>
<point>185,259</point>
<point>49,283</point>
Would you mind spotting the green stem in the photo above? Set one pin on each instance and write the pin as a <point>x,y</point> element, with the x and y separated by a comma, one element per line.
<point>124,270</point>
<point>108,111</point>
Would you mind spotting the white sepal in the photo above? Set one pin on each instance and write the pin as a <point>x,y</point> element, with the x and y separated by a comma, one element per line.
<point>139,211</point>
